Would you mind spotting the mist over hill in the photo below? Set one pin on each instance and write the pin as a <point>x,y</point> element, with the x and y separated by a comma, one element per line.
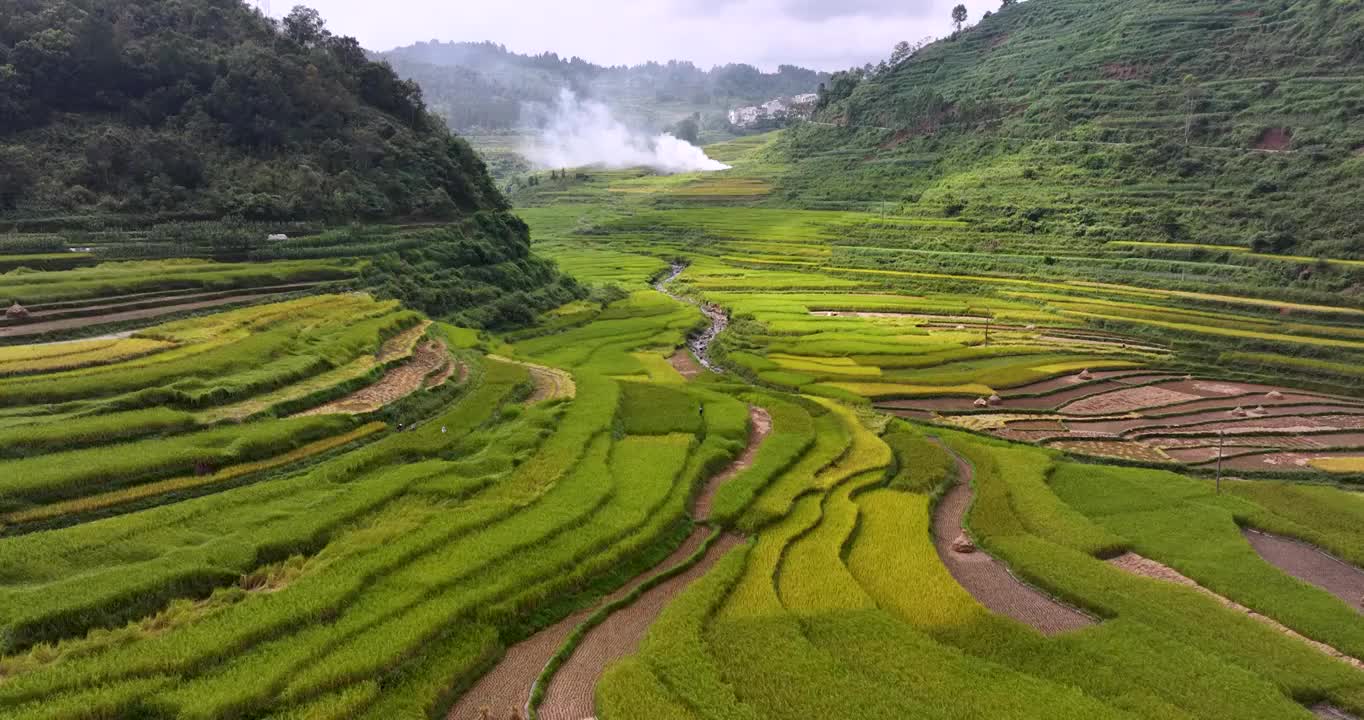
<point>483,86</point>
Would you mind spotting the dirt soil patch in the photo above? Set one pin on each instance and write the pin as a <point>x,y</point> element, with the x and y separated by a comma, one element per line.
<point>987,579</point>
<point>760,425</point>
<point>507,686</point>
<point>1138,565</point>
<point>685,365</point>
<point>443,374</point>
<point>1310,565</point>
<point>570,694</point>
<point>1275,140</point>
<point>1331,713</point>
<point>1127,400</point>
<point>396,384</point>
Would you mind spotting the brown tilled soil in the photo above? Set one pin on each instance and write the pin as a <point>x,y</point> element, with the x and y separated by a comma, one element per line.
<point>1138,565</point>
<point>987,579</point>
<point>1127,400</point>
<point>1311,566</point>
<point>1275,140</point>
<point>507,686</point>
<point>760,424</point>
<point>570,694</point>
<point>685,364</point>
<point>396,384</point>
<point>39,328</point>
<point>440,376</point>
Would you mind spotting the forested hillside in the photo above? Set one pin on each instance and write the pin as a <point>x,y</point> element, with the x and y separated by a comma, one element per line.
<point>1178,121</point>
<point>204,108</point>
<point>484,86</point>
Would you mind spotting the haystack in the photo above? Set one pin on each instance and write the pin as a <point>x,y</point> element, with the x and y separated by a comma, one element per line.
<point>17,312</point>
<point>1238,412</point>
<point>982,402</point>
<point>1274,395</point>
<point>1086,374</point>
<point>1260,410</point>
<point>995,399</point>
<point>963,545</point>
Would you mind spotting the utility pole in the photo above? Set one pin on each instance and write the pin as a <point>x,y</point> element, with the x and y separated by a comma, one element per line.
<point>1220,435</point>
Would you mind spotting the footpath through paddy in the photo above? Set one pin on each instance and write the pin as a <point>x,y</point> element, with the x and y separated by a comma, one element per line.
<point>986,578</point>
<point>569,690</point>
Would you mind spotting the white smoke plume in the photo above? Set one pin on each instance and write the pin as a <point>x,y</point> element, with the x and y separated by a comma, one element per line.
<point>580,133</point>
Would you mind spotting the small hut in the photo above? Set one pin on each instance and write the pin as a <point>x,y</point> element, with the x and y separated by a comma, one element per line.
<point>17,312</point>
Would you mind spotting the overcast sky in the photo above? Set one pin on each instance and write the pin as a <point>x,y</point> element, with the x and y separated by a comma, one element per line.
<point>822,34</point>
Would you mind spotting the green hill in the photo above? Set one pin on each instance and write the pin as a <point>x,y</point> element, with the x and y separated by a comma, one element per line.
<point>204,108</point>
<point>1194,121</point>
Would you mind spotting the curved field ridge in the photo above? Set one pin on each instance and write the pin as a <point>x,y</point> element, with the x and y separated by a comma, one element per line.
<point>507,687</point>
<point>1146,567</point>
<point>146,313</point>
<point>1311,565</point>
<point>1328,712</point>
<point>550,383</point>
<point>760,425</point>
<point>395,385</point>
<point>987,579</point>
<point>571,692</point>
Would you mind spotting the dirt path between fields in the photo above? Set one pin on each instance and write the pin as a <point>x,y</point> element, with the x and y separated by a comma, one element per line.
<point>571,692</point>
<point>506,688</point>
<point>986,578</point>
<point>719,320</point>
<point>760,425</point>
<point>1310,565</point>
<point>1329,712</point>
<point>1138,565</point>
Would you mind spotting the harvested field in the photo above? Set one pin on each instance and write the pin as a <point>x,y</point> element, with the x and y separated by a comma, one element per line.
<point>550,383</point>
<point>1127,400</point>
<point>103,306</point>
<point>760,424</point>
<point>570,694</point>
<point>506,688</point>
<point>987,579</point>
<point>1311,565</point>
<point>1138,565</point>
<point>396,384</point>
<point>51,326</point>
<point>1120,449</point>
<point>442,375</point>
<point>685,364</point>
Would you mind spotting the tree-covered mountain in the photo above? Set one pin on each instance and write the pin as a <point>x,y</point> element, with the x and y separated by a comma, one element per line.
<point>1227,122</point>
<point>484,86</point>
<point>205,108</point>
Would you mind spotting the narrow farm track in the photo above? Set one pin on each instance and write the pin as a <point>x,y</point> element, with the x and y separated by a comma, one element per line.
<point>685,364</point>
<point>1328,712</point>
<point>760,424</point>
<point>987,579</point>
<point>1145,567</point>
<point>506,688</point>
<point>1310,565</point>
<point>570,694</point>
<point>550,383</point>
